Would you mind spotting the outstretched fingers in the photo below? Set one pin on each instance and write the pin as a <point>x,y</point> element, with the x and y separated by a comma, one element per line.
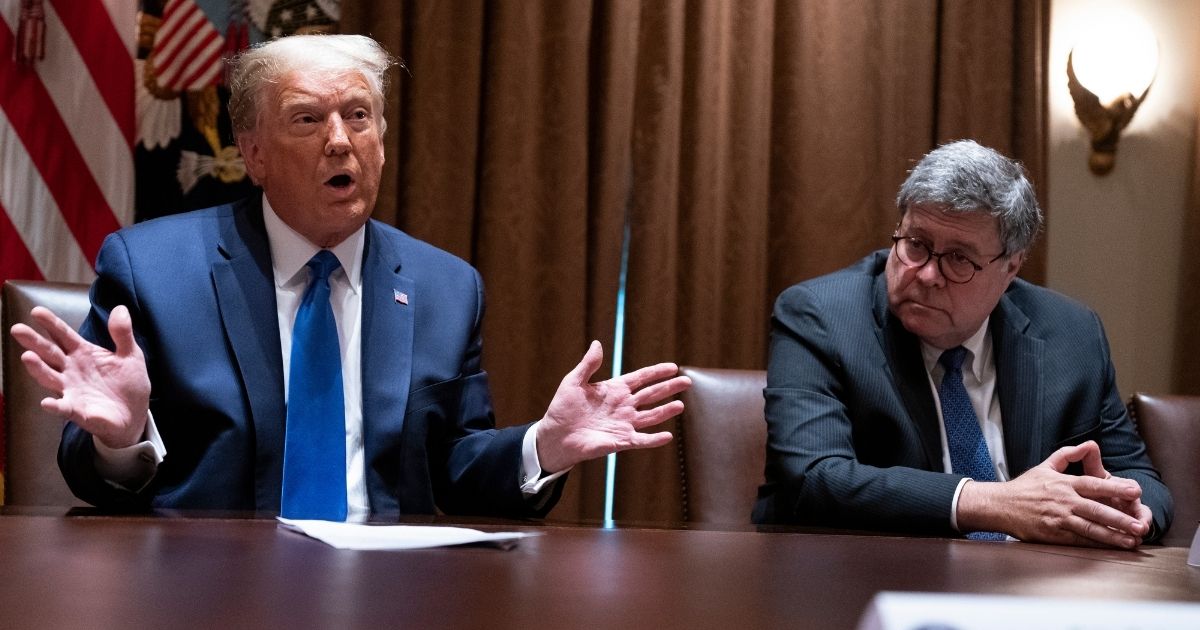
<point>60,333</point>
<point>638,379</point>
<point>582,373</point>
<point>649,440</point>
<point>660,391</point>
<point>120,328</point>
<point>39,346</point>
<point>657,415</point>
<point>46,376</point>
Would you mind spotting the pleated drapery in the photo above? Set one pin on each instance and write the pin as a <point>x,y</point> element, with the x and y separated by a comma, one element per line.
<point>749,144</point>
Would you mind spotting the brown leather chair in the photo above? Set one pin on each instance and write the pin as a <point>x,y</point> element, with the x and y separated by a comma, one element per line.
<point>31,435</point>
<point>1171,427</point>
<point>722,444</point>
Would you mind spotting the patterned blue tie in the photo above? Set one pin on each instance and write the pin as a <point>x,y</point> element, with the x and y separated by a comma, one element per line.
<point>968,451</point>
<point>314,452</point>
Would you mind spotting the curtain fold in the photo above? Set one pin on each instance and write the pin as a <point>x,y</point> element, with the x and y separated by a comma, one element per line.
<point>749,144</point>
<point>1187,350</point>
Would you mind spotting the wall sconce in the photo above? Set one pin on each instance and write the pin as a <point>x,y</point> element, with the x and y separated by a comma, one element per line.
<point>1116,60</point>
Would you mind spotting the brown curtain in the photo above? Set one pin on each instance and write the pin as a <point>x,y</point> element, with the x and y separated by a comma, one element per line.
<point>749,144</point>
<point>1187,351</point>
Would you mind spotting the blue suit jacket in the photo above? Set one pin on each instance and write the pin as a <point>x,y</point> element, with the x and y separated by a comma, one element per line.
<point>200,289</point>
<point>853,436</point>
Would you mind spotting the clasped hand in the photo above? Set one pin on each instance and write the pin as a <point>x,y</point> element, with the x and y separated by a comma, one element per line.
<point>106,393</point>
<point>587,420</point>
<point>1047,505</point>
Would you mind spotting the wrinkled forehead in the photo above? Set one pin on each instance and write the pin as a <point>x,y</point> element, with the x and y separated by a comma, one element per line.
<point>941,224</point>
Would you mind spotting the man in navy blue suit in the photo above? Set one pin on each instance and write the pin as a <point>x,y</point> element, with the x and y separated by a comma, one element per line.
<point>926,389</point>
<point>177,391</point>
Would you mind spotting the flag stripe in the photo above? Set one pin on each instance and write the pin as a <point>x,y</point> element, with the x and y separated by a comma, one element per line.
<point>33,115</point>
<point>89,24</point>
<point>99,139</point>
<point>14,256</point>
<point>35,215</point>
<point>175,36</point>
<point>202,71</point>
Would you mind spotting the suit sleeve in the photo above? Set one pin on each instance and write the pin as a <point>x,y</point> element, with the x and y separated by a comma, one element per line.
<point>831,410</point>
<point>1124,451</point>
<point>76,453</point>
<point>483,463</point>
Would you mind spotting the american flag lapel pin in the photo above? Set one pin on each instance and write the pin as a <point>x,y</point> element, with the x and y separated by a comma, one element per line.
<point>401,297</point>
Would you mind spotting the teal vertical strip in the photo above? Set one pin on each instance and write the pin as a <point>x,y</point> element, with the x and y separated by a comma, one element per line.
<point>618,357</point>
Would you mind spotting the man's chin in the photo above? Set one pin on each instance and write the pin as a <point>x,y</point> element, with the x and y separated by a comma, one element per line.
<point>922,321</point>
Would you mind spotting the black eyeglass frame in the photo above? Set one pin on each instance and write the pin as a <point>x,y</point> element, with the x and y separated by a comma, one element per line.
<point>896,238</point>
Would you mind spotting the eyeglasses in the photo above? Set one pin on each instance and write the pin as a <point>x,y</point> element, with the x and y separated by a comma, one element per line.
<point>954,265</point>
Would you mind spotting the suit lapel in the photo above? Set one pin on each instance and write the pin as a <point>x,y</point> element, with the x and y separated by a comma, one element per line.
<point>389,300</point>
<point>903,352</point>
<point>246,300</point>
<point>1019,385</point>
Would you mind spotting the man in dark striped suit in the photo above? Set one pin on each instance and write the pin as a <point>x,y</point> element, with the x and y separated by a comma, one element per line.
<point>926,389</point>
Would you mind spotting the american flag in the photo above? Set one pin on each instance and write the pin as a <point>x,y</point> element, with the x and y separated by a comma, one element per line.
<point>187,50</point>
<point>67,127</point>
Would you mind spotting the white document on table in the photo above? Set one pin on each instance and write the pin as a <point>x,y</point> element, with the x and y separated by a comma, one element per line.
<point>909,611</point>
<point>378,537</point>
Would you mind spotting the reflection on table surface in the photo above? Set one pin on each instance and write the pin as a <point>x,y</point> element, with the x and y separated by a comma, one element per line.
<point>82,569</point>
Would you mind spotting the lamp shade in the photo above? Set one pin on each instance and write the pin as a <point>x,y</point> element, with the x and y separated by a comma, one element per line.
<point>1117,55</point>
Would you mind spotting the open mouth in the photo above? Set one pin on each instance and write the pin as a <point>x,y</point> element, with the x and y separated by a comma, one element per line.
<point>340,182</point>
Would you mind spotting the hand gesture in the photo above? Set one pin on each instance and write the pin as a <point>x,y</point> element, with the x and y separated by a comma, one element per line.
<point>587,420</point>
<point>1046,505</point>
<point>106,393</point>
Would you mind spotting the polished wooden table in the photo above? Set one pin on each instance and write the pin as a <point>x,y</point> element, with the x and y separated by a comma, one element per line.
<point>152,572</point>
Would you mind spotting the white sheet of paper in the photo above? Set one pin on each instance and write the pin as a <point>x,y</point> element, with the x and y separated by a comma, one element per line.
<point>896,611</point>
<point>372,537</point>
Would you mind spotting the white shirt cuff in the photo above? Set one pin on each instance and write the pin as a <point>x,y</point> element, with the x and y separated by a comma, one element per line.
<point>132,467</point>
<point>954,504</point>
<point>532,481</point>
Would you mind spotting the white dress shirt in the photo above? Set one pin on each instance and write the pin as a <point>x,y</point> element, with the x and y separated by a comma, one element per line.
<point>979,378</point>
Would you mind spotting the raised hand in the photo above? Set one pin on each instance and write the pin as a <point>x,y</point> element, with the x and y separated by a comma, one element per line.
<point>106,393</point>
<point>587,420</point>
<point>1046,505</point>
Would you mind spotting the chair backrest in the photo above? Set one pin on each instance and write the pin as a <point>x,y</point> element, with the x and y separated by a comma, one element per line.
<point>722,442</point>
<point>1170,425</point>
<point>31,475</point>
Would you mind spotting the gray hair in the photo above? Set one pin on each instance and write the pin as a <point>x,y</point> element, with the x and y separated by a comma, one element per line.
<point>963,176</point>
<point>266,63</point>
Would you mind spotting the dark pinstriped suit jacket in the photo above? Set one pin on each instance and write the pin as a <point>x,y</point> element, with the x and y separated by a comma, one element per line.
<point>853,437</point>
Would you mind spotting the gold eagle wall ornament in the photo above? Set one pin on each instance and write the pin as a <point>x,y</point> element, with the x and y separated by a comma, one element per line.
<point>1104,123</point>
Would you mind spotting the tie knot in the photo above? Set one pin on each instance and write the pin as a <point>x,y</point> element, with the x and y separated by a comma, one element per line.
<point>952,359</point>
<point>323,264</point>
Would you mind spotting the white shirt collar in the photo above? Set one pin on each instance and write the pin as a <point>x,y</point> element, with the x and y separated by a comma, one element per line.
<point>290,251</point>
<point>976,345</point>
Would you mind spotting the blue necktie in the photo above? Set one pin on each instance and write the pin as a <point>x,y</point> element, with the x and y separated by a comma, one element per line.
<point>968,451</point>
<point>314,452</point>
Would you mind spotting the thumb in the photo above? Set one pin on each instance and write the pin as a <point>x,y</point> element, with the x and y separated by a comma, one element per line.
<point>120,328</point>
<point>587,367</point>
<point>1087,452</point>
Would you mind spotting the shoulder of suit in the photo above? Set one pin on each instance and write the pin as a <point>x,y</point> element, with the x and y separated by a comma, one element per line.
<point>181,221</point>
<point>412,250</point>
<point>1047,307</point>
<point>850,284</point>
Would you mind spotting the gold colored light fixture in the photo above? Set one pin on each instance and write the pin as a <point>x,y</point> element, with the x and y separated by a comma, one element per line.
<point>1109,73</point>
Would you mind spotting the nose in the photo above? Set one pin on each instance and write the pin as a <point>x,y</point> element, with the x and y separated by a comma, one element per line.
<point>337,141</point>
<point>931,272</point>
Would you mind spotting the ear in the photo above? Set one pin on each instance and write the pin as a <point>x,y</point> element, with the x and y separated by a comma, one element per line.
<point>1013,265</point>
<point>252,156</point>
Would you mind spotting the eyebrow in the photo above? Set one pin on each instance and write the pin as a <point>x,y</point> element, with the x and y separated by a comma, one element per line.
<point>953,245</point>
<point>296,99</point>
